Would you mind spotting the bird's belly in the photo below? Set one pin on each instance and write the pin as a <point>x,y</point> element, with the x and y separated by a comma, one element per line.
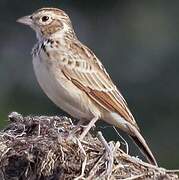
<point>63,92</point>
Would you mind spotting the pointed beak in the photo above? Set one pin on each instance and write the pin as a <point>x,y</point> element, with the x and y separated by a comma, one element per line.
<point>27,20</point>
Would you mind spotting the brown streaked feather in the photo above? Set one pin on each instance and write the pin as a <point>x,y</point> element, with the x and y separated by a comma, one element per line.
<point>96,83</point>
<point>66,55</point>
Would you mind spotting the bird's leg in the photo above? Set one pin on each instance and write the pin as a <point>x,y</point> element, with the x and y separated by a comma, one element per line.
<point>80,123</point>
<point>77,127</point>
<point>88,127</point>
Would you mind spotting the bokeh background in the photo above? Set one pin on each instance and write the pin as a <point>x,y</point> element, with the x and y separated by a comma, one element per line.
<point>138,42</point>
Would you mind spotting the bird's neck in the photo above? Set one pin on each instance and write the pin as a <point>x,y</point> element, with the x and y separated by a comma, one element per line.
<point>63,38</point>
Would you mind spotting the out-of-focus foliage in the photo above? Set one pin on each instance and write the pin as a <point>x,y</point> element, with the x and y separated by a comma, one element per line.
<point>138,43</point>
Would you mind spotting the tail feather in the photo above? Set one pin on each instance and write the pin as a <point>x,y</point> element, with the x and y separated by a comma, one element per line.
<point>146,151</point>
<point>141,143</point>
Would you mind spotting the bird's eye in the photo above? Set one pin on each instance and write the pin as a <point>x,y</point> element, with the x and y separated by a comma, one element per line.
<point>45,18</point>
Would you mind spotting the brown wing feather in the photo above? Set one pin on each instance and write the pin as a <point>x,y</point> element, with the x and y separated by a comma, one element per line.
<point>91,77</point>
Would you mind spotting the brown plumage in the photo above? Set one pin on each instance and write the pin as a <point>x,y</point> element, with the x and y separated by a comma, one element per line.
<point>74,78</point>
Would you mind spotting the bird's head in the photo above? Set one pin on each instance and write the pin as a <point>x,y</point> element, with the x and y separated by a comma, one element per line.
<point>47,22</point>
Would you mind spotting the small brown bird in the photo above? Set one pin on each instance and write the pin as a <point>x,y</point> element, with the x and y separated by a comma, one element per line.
<point>73,77</point>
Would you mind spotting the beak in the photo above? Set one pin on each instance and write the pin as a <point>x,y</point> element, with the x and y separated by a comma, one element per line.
<point>27,20</point>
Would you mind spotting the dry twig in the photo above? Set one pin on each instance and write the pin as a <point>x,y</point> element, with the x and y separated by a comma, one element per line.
<point>40,148</point>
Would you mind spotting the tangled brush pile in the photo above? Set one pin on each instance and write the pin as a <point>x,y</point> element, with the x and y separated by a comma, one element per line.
<point>48,148</point>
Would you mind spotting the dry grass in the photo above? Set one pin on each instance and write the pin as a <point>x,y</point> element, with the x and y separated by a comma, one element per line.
<point>46,148</point>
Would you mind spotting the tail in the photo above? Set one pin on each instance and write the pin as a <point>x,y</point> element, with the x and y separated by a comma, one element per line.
<point>140,142</point>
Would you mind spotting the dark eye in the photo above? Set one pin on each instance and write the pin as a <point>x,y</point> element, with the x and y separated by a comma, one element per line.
<point>45,18</point>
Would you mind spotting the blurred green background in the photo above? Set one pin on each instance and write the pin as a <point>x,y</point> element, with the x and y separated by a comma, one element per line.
<point>138,42</point>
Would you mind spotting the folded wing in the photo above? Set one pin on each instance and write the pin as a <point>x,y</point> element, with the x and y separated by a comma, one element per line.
<point>88,74</point>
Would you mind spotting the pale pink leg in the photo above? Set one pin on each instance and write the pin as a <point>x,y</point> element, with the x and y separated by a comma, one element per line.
<point>88,127</point>
<point>79,124</point>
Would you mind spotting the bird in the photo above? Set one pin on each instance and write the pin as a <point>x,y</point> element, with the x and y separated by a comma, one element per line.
<point>74,78</point>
